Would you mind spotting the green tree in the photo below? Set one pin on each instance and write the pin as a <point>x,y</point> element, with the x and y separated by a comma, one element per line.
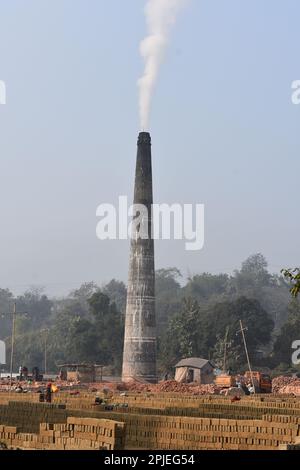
<point>254,281</point>
<point>168,297</point>
<point>85,343</point>
<point>61,338</point>
<point>73,337</point>
<point>77,301</point>
<point>117,292</point>
<point>290,331</point>
<point>182,336</point>
<point>233,353</point>
<point>37,307</point>
<point>6,301</point>
<point>109,327</point>
<point>293,275</point>
<point>200,331</point>
<point>253,275</point>
<point>29,350</point>
<point>228,315</point>
<point>207,287</point>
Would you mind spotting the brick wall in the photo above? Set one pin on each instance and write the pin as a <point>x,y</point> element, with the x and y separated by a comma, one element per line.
<point>75,434</point>
<point>162,422</point>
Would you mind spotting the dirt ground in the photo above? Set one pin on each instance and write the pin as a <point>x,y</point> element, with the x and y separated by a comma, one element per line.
<point>281,385</point>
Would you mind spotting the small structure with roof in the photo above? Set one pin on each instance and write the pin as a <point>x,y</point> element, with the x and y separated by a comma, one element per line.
<point>194,369</point>
<point>85,373</point>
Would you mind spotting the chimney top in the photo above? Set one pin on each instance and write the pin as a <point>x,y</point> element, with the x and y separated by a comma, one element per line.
<point>144,138</point>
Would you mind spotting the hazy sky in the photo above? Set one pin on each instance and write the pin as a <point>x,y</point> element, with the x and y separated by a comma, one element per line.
<point>225,133</point>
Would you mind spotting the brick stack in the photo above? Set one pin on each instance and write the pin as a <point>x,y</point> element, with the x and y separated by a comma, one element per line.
<point>83,433</point>
<point>5,397</point>
<point>28,416</point>
<point>162,432</point>
<point>76,434</point>
<point>168,421</point>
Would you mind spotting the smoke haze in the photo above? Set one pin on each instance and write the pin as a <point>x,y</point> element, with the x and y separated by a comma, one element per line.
<point>160,15</point>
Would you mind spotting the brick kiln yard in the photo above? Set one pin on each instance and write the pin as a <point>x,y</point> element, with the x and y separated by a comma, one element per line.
<point>156,417</point>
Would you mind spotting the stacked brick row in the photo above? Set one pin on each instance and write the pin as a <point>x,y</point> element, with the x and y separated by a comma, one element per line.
<point>162,432</point>
<point>200,423</point>
<point>76,434</point>
<point>161,402</point>
<point>27,416</point>
<point>209,410</point>
<point>5,397</point>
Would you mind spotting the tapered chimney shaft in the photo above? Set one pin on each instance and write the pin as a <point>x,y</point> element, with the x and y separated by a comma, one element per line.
<point>139,357</point>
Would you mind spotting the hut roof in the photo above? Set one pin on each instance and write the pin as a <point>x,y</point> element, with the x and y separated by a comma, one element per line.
<point>194,362</point>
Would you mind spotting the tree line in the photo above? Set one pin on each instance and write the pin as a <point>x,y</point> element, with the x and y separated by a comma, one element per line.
<point>194,318</point>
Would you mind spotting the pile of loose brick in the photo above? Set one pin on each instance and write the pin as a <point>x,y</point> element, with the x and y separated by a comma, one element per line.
<point>286,385</point>
<point>170,386</point>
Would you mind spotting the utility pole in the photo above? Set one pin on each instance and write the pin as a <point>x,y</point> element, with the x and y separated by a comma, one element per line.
<point>225,350</point>
<point>242,330</point>
<point>14,314</point>
<point>13,331</point>
<point>46,331</point>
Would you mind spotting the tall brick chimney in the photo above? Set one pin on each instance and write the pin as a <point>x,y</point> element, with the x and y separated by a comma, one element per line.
<point>139,357</point>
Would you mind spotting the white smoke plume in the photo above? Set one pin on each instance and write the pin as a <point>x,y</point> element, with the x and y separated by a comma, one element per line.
<point>161,15</point>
